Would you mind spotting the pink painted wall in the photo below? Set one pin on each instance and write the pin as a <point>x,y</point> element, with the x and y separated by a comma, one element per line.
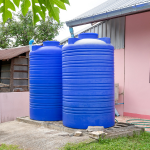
<point>137,66</point>
<point>13,104</point>
<point>119,76</point>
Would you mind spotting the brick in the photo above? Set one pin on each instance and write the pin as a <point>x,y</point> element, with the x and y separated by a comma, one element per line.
<point>95,128</point>
<point>78,133</point>
<point>97,134</point>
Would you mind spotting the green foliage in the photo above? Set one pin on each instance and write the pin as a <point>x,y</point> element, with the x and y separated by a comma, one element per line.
<point>25,6</point>
<point>136,142</point>
<point>4,36</point>
<point>39,8</point>
<point>22,30</point>
<point>47,30</point>
<point>8,147</point>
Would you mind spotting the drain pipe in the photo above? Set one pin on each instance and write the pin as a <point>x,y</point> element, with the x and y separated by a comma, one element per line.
<point>116,113</point>
<point>71,32</point>
<point>30,44</point>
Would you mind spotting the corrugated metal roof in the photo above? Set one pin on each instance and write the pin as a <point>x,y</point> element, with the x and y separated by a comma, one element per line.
<point>75,34</point>
<point>13,52</point>
<point>110,9</point>
<point>112,28</point>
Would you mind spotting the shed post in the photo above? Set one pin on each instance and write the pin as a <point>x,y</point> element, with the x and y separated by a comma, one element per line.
<point>11,75</point>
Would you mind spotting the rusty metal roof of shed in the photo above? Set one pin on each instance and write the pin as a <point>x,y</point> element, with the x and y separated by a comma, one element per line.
<point>13,52</point>
<point>110,9</point>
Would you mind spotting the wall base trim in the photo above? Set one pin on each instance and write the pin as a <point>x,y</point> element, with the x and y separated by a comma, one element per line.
<point>136,115</point>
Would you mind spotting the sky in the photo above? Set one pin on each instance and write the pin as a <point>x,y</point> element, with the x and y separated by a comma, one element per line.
<point>76,8</point>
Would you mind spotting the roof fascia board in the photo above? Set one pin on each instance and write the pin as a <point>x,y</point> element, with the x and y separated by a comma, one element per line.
<point>108,15</point>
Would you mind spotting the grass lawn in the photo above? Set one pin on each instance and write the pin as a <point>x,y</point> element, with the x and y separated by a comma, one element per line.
<point>136,142</point>
<point>8,147</point>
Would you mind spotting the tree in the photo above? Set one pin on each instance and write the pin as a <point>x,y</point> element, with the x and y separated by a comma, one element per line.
<point>21,29</point>
<point>39,8</point>
<point>4,36</point>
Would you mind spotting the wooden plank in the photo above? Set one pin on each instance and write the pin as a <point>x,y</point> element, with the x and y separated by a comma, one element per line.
<point>28,74</point>
<point>0,68</point>
<point>22,56</point>
<point>20,82</point>
<point>5,89</point>
<point>5,78</point>
<point>20,75</point>
<point>5,64</point>
<point>20,65</point>
<point>11,74</point>
<point>5,71</point>
<point>25,68</point>
<point>4,85</point>
<point>20,89</point>
<point>20,78</point>
<point>20,61</point>
<point>27,54</point>
<point>21,86</point>
<point>20,71</point>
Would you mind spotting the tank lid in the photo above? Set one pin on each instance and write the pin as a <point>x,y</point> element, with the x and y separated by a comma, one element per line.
<point>35,47</point>
<point>88,36</point>
<point>90,42</point>
<point>60,46</point>
<point>105,39</point>
<point>51,43</point>
<point>72,40</point>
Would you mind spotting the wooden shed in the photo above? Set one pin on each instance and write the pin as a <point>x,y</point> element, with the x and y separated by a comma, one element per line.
<point>14,69</point>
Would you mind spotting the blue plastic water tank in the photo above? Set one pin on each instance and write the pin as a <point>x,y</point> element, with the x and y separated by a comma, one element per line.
<point>46,82</point>
<point>35,47</point>
<point>88,82</point>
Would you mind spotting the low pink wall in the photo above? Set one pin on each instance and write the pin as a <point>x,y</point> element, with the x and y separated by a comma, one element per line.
<point>119,76</point>
<point>137,66</point>
<point>13,104</point>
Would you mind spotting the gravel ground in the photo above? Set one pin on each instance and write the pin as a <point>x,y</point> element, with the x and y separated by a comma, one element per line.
<point>32,137</point>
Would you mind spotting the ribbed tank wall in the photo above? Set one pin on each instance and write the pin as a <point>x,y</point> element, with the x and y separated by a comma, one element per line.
<point>46,82</point>
<point>88,83</point>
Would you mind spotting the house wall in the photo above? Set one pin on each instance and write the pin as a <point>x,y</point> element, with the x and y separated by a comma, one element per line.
<point>13,104</point>
<point>137,66</point>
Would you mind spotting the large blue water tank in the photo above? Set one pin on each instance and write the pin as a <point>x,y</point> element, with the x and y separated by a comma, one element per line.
<point>88,82</point>
<point>46,82</point>
<point>35,47</point>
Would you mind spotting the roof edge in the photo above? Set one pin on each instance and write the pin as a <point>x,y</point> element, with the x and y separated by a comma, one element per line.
<point>14,47</point>
<point>109,15</point>
<point>80,31</point>
<point>10,53</point>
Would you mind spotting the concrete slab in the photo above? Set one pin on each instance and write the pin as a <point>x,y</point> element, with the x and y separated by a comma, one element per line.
<point>120,128</point>
<point>56,125</point>
<point>39,135</point>
<point>33,137</point>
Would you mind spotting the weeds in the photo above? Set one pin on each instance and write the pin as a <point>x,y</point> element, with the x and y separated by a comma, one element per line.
<point>135,142</point>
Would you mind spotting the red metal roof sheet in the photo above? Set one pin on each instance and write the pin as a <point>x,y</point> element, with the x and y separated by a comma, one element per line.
<point>13,52</point>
